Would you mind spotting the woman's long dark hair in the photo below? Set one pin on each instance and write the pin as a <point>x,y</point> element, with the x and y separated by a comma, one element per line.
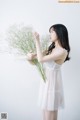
<point>62,34</point>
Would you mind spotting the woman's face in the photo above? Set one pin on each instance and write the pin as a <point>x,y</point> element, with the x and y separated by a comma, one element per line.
<point>53,35</point>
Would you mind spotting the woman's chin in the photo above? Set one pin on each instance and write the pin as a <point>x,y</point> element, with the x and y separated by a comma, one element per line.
<point>51,40</point>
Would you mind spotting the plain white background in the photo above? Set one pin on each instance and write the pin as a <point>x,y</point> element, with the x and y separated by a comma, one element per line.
<point>19,81</point>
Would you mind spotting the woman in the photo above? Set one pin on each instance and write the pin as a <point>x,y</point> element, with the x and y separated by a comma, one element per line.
<point>51,96</point>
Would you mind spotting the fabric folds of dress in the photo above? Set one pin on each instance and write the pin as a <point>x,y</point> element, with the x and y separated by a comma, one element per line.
<point>51,96</point>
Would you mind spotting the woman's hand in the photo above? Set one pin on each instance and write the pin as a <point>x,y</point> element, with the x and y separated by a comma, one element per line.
<point>36,36</point>
<point>29,56</point>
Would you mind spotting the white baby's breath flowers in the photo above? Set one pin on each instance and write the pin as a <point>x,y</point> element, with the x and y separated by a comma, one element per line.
<point>21,37</point>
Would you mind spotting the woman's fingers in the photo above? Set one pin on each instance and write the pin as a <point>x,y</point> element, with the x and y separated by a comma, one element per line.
<point>29,56</point>
<point>36,35</point>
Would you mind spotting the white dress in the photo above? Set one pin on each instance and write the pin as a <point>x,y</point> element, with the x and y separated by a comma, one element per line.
<point>51,96</point>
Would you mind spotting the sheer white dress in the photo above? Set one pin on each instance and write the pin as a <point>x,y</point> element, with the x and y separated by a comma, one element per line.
<point>51,96</point>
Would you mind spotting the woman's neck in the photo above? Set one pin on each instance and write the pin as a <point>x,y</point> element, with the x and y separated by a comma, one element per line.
<point>57,45</point>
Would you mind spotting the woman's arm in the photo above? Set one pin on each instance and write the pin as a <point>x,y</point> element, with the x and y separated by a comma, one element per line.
<point>35,54</point>
<point>31,56</point>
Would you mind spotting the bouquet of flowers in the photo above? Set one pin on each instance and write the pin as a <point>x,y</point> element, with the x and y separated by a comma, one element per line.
<point>21,37</point>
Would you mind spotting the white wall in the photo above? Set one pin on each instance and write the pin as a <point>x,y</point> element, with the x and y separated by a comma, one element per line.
<point>19,81</point>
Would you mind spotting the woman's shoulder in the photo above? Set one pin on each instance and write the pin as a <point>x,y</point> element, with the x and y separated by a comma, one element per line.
<point>63,54</point>
<point>61,50</point>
